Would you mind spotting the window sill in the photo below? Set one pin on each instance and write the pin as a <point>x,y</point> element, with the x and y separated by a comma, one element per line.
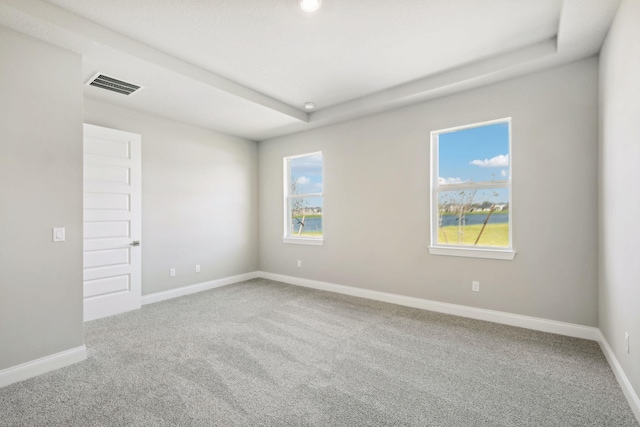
<point>503,254</point>
<point>303,241</point>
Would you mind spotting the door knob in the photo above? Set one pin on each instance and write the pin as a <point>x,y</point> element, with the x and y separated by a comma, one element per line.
<point>134,243</point>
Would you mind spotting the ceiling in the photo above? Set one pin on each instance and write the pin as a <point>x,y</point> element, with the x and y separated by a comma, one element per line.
<point>247,67</point>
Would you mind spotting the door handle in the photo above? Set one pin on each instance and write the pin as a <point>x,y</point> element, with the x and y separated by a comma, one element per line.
<point>134,243</point>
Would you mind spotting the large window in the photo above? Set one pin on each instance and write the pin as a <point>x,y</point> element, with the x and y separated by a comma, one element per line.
<point>471,208</point>
<point>303,199</point>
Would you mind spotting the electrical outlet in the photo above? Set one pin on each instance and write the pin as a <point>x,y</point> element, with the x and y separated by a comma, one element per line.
<point>299,263</point>
<point>197,268</point>
<point>475,286</point>
<point>626,341</point>
<point>172,272</point>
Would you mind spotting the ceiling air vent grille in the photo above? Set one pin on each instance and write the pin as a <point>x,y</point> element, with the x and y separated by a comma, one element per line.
<point>114,85</point>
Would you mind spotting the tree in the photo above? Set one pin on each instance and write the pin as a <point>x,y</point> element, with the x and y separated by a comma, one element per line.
<point>460,204</point>
<point>298,204</point>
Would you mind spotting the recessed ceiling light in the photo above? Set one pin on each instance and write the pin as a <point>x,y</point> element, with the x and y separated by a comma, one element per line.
<point>309,106</point>
<point>310,5</point>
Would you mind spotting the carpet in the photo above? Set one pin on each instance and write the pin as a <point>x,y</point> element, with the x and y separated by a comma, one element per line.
<point>263,353</point>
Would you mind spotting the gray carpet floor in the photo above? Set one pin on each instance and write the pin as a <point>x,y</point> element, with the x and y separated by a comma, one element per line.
<point>263,353</point>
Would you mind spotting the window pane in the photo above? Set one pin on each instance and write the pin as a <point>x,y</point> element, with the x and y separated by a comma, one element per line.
<point>474,217</point>
<point>306,217</point>
<point>476,154</point>
<point>306,174</point>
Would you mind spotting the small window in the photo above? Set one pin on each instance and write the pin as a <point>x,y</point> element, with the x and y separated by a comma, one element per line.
<point>303,199</point>
<point>471,207</point>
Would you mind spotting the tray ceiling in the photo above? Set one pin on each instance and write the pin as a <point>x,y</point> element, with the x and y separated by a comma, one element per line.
<point>247,67</point>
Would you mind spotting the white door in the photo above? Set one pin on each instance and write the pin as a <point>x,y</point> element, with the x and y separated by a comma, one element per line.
<point>112,222</point>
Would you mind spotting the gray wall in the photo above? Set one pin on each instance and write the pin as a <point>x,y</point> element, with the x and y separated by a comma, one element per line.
<point>620,188</point>
<point>199,198</point>
<point>40,188</point>
<point>376,205</point>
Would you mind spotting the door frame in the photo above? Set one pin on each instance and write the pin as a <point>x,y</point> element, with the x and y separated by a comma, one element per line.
<point>109,304</point>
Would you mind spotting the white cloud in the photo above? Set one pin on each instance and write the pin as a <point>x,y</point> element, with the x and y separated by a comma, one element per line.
<point>449,180</point>
<point>499,161</point>
<point>504,172</point>
<point>302,180</point>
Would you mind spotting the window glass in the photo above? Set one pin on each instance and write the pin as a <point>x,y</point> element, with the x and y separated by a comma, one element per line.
<point>473,217</point>
<point>304,197</point>
<point>471,186</point>
<point>306,173</point>
<point>474,155</point>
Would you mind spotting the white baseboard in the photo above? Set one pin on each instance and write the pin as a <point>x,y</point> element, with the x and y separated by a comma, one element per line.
<point>625,384</point>
<point>535,323</point>
<point>68,357</point>
<point>43,365</point>
<point>198,287</point>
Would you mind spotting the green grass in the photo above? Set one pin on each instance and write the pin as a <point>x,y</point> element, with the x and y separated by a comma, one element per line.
<point>493,235</point>
<point>485,213</point>
<point>308,234</point>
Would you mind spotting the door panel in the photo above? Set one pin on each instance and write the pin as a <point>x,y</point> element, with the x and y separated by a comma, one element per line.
<point>106,146</point>
<point>113,174</point>
<point>106,229</point>
<point>106,257</point>
<point>106,272</point>
<point>112,222</point>
<point>106,286</point>
<point>107,201</point>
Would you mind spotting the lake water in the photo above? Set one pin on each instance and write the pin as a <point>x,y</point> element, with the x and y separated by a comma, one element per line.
<point>315,224</point>
<point>310,224</point>
<point>496,218</point>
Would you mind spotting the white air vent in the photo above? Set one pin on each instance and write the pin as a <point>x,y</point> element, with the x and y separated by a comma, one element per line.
<point>114,85</point>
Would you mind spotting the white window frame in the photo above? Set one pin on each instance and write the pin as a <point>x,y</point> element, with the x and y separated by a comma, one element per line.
<point>315,241</point>
<point>507,253</point>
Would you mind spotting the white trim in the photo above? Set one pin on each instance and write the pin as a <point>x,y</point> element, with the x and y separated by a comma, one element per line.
<point>535,323</point>
<point>297,156</point>
<point>305,195</point>
<point>78,354</point>
<point>472,185</point>
<point>472,125</point>
<point>198,287</point>
<point>507,254</point>
<point>97,33</point>
<point>528,322</point>
<point>286,172</point>
<point>625,384</point>
<point>42,365</point>
<point>107,304</point>
<point>436,187</point>
<point>303,241</point>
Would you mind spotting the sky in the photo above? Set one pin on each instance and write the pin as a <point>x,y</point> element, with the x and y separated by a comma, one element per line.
<point>475,154</point>
<point>307,172</point>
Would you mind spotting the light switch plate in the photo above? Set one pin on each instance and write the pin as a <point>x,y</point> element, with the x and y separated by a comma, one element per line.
<point>58,234</point>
